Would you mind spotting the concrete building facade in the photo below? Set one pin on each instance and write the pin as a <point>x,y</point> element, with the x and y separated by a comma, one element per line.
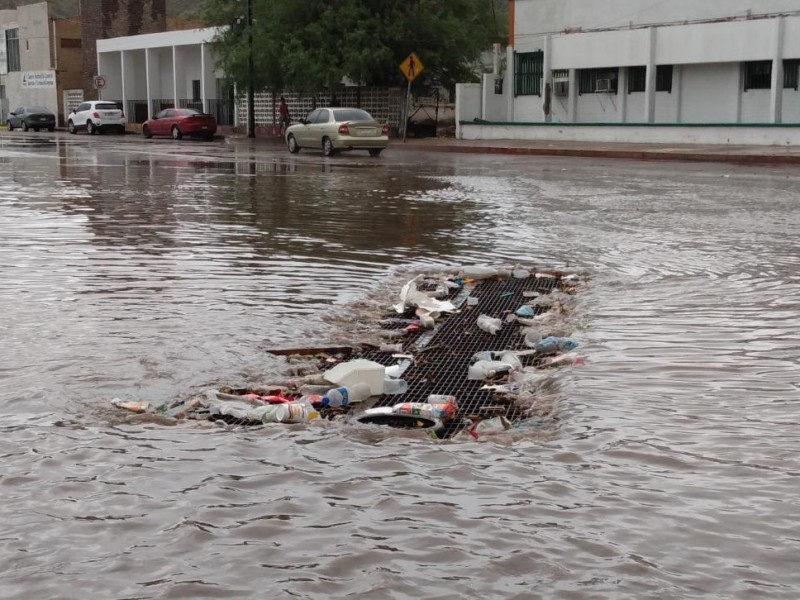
<point>40,58</point>
<point>615,70</point>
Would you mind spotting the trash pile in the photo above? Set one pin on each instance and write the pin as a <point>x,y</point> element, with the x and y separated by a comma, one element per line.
<point>466,352</point>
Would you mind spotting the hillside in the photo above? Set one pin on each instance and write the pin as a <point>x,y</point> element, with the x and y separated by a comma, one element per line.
<point>68,8</point>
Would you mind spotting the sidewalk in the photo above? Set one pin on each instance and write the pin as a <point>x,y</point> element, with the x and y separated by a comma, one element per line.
<point>744,155</point>
<point>751,155</point>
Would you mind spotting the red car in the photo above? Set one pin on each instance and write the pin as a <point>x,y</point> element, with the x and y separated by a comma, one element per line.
<point>179,122</point>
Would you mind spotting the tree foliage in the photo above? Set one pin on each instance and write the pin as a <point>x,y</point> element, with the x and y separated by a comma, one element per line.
<point>312,45</point>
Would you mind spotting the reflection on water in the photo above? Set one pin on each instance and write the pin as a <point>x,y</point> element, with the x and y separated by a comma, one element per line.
<point>145,270</point>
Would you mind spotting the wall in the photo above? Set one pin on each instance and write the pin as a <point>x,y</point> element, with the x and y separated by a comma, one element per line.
<point>668,134</point>
<point>791,106</point>
<point>710,93</point>
<point>495,106</point>
<point>188,59</point>
<point>537,17</point>
<point>468,103</point>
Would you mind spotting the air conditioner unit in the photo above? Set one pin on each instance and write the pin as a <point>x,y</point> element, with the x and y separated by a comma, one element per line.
<point>561,88</point>
<point>603,85</point>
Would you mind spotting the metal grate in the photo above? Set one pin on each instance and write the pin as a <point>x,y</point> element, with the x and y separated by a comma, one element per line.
<point>443,358</point>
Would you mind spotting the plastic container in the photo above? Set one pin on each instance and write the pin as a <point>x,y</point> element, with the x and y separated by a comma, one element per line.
<point>553,345</point>
<point>347,395</point>
<point>358,371</point>
<point>386,415</point>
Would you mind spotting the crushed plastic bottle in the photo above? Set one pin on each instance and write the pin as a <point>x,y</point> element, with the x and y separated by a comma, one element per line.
<point>394,387</point>
<point>525,311</point>
<point>484,369</point>
<point>489,324</point>
<point>346,395</point>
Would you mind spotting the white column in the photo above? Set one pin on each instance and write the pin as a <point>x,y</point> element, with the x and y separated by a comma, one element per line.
<point>203,76</point>
<point>776,90</point>
<point>622,91</point>
<point>650,79</point>
<point>547,77</point>
<point>677,88</point>
<point>510,83</point>
<point>174,77</point>
<point>147,80</point>
<point>122,71</point>
<point>572,99</point>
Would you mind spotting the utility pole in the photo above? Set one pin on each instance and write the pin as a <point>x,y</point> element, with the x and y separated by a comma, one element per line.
<point>251,115</point>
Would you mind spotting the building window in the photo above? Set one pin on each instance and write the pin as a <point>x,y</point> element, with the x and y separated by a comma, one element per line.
<point>637,77</point>
<point>12,49</point>
<point>71,43</point>
<point>758,75</point>
<point>528,72</point>
<point>790,73</point>
<point>597,80</point>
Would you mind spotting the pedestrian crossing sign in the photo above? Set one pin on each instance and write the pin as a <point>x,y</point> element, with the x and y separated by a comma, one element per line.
<point>411,67</point>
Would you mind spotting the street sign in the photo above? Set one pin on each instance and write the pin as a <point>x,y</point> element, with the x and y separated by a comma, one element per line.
<point>99,82</point>
<point>411,67</point>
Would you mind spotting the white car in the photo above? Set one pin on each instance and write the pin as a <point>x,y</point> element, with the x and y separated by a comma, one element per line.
<point>96,116</point>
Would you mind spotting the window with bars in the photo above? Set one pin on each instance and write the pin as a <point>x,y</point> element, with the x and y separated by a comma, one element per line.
<point>598,80</point>
<point>758,75</point>
<point>528,72</point>
<point>12,50</point>
<point>791,68</point>
<point>637,77</point>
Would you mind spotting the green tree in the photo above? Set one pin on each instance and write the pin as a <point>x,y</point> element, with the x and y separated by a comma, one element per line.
<point>311,45</point>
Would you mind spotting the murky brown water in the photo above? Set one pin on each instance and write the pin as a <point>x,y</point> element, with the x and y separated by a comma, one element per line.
<point>149,270</point>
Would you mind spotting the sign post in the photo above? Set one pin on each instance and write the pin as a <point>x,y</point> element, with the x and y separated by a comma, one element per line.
<point>411,67</point>
<point>99,83</point>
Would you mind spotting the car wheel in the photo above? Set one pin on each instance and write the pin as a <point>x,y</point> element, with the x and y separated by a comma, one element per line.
<point>176,133</point>
<point>24,126</point>
<point>10,126</point>
<point>375,151</point>
<point>327,146</point>
<point>51,129</point>
<point>292,145</point>
<point>121,129</point>
<point>146,132</point>
<point>71,127</point>
<point>91,128</point>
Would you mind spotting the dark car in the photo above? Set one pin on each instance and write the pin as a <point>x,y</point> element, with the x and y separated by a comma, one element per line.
<point>179,122</point>
<point>32,117</point>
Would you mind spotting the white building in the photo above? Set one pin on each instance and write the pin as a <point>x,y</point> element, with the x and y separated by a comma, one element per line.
<point>624,70</point>
<point>148,72</point>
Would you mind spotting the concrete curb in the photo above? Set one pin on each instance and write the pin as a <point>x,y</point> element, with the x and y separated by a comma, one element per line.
<point>644,155</point>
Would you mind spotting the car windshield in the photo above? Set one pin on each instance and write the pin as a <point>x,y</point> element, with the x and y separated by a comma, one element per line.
<point>351,114</point>
<point>188,112</point>
<point>106,106</point>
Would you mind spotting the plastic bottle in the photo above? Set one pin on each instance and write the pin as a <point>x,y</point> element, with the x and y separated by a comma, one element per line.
<point>552,345</point>
<point>344,396</point>
<point>393,386</point>
<point>489,324</point>
<point>391,347</point>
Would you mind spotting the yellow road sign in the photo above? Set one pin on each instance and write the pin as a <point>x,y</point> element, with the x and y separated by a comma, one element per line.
<point>411,67</point>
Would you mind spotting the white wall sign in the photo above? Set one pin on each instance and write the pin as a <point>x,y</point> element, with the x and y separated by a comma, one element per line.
<point>3,55</point>
<point>38,79</point>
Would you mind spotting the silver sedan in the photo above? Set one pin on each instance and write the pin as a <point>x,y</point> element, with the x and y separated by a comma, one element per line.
<point>336,129</point>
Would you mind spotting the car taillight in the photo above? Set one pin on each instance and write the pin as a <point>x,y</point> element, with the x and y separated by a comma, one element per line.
<point>96,115</point>
<point>385,130</point>
<point>344,129</point>
<point>122,114</point>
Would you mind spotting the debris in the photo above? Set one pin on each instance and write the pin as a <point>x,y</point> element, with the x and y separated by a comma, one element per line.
<point>132,406</point>
<point>358,371</point>
<point>489,324</point>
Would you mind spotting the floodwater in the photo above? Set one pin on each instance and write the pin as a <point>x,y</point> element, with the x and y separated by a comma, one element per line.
<point>149,270</point>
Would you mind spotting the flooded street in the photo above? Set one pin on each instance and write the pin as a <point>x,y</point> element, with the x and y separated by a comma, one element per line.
<point>151,270</point>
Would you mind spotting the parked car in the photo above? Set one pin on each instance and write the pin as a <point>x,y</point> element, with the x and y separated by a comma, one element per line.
<point>31,117</point>
<point>335,129</point>
<point>96,116</point>
<point>179,122</point>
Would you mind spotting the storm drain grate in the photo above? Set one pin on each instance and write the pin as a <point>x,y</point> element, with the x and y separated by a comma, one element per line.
<point>443,358</point>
